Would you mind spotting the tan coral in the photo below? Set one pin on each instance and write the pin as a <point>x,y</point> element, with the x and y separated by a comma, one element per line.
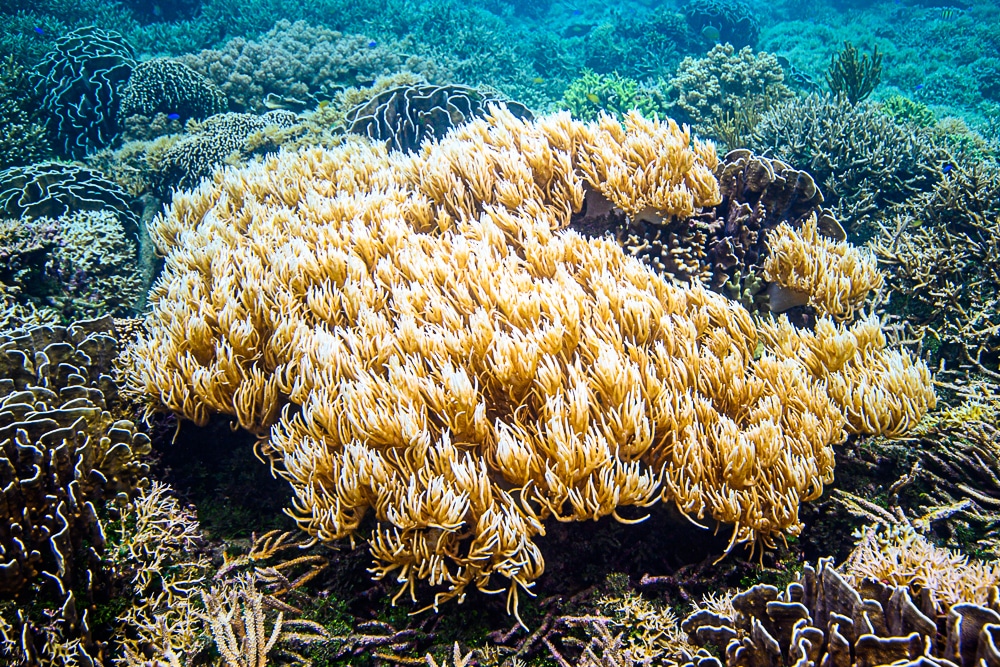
<point>880,391</point>
<point>834,276</point>
<point>422,344</point>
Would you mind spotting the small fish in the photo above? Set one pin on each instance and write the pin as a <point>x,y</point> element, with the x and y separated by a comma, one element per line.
<point>538,80</point>
<point>593,98</point>
<point>947,168</point>
<point>174,116</point>
<point>919,86</point>
<point>39,31</point>
<point>577,30</point>
<point>711,33</point>
<point>372,44</point>
<point>577,12</point>
<point>324,104</point>
<point>949,13</point>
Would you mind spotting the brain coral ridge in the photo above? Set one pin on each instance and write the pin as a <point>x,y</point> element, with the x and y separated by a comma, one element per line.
<point>412,336</point>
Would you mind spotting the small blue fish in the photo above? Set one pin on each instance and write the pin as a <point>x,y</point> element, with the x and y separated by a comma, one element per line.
<point>39,31</point>
<point>947,168</point>
<point>372,44</point>
<point>577,12</point>
<point>174,116</point>
<point>919,86</point>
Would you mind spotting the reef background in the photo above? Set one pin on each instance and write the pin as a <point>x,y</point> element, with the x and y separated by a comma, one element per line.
<point>108,108</point>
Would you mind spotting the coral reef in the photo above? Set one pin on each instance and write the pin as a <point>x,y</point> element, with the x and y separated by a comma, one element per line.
<point>213,143</point>
<point>166,86</point>
<point>731,21</point>
<point>590,94</point>
<point>637,46</point>
<point>942,253</point>
<point>463,373</point>
<point>62,456</point>
<point>863,160</point>
<point>53,189</point>
<point>76,266</point>
<point>296,61</point>
<point>79,83</point>
<point>725,80</point>
<point>758,194</point>
<point>823,617</point>
<point>406,116</point>
<point>896,598</point>
<point>852,77</point>
<point>22,136</point>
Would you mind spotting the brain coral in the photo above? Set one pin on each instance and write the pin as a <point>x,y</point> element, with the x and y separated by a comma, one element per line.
<point>166,86</point>
<point>418,341</point>
<point>79,81</point>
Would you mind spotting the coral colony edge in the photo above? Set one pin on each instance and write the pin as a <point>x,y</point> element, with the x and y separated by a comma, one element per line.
<point>500,334</point>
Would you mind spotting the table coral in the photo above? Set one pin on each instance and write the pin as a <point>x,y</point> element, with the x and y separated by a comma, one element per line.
<point>412,337</point>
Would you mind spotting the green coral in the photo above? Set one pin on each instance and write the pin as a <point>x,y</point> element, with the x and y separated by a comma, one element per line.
<point>591,93</point>
<point>904,110</point>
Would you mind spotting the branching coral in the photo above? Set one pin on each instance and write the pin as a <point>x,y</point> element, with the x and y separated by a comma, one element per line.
<point>724,81</point>
<point>943,253</point>
<point>301,62</point>
<point>423,345</point>
<point>863,159</point>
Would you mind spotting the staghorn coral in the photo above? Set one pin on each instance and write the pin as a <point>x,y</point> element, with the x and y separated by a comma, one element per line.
<point>62,454</point>
<point>167,86</point>
<point>724,81</point>
<point>79,82</point>
<point>942,253</point>
<point>457,369</point>
<point>863,160</point>
<point>296,61</point>
<point>406,116</point>
<point>833,277</point>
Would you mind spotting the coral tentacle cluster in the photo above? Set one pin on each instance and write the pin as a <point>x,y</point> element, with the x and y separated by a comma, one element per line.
<point>414,336</point>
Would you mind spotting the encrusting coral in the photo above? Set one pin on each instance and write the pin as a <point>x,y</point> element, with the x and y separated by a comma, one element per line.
<point>423,343</point>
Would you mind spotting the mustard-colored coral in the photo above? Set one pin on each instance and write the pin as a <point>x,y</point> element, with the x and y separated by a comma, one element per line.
<point>835,276</point>
<point>424,345</point>
<point>879,391</point>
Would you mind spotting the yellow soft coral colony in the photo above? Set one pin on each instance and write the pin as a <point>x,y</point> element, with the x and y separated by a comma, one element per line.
<point>423,345</point>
